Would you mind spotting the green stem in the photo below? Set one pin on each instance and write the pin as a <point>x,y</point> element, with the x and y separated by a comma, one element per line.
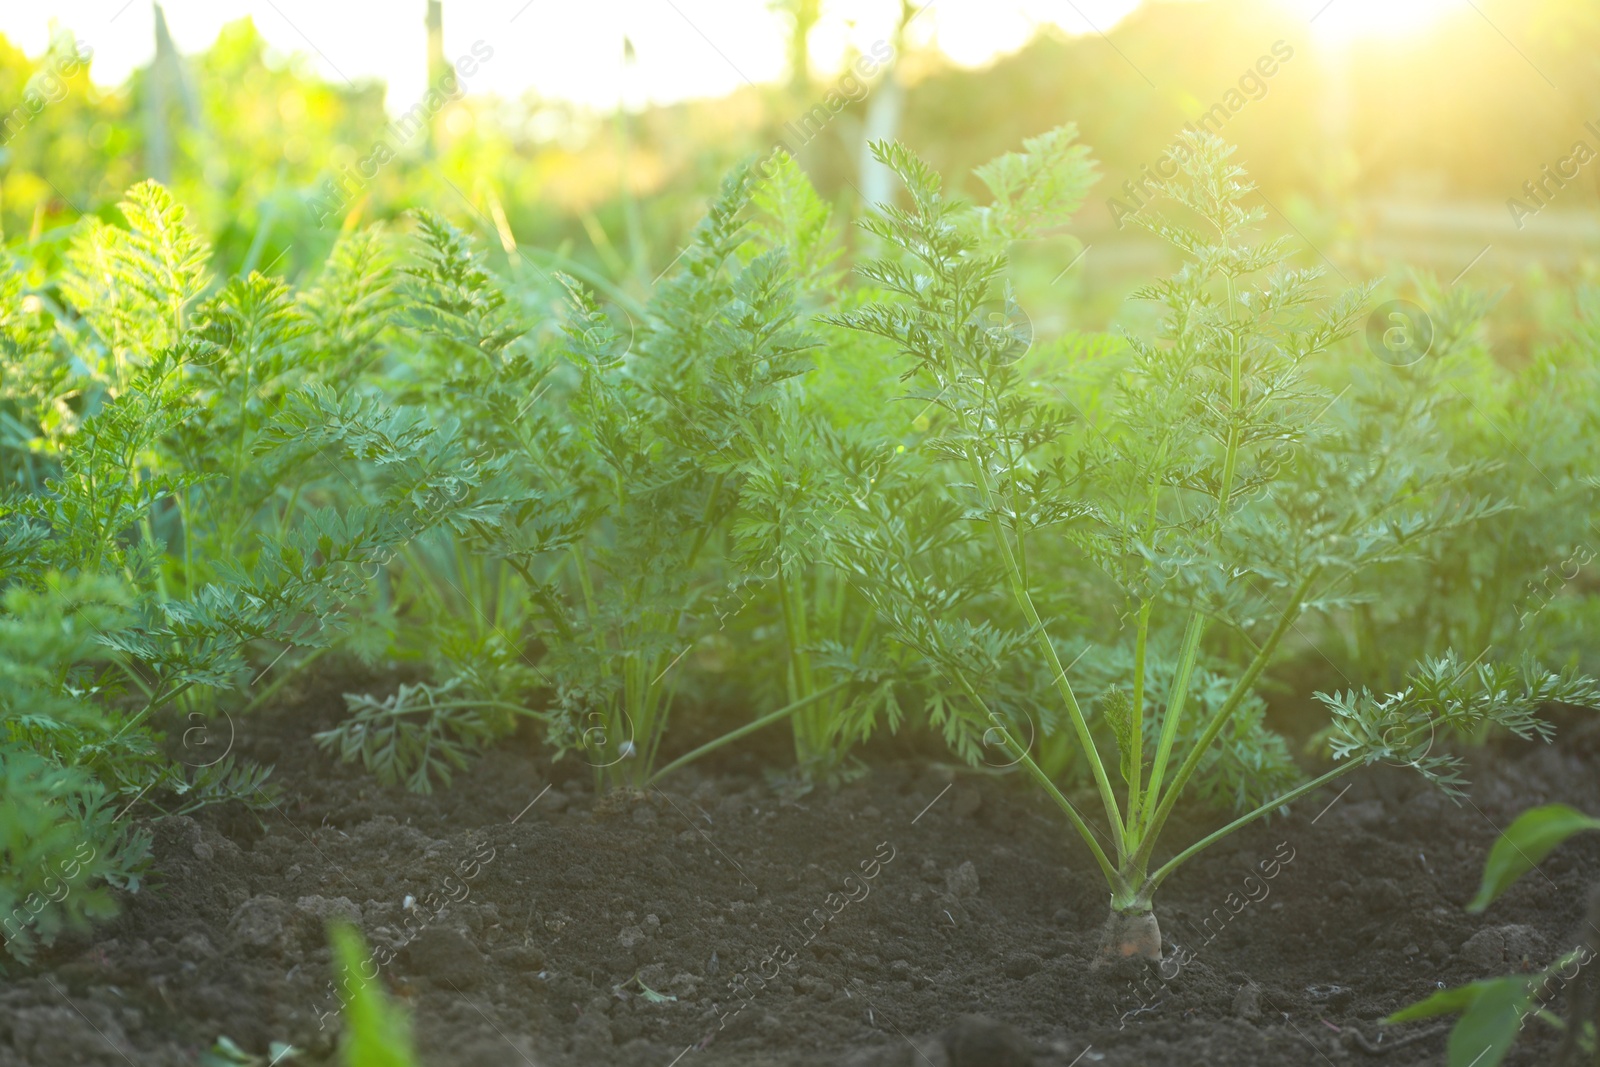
<point>238,452</point>
<point>1244,820</point>
<point>802,680</point>
<point>748,728</point>
<point>1113,879</point>
<point>154,705</point>
<point>1080,726</point>
<point>1241,689</point>
<point>704,532</point>
<point>586,584</point>
<point>659,700</point>
<point>801,635</point>
<point>1084,830</point>
<point>786,608</point>
<point>643,698</point>
<point>1197,622</point>
<point>283,679</point>
<point>1140,644</point>
<point>128,672</point>
<point>1175,701</point>
<point>1235,374</point>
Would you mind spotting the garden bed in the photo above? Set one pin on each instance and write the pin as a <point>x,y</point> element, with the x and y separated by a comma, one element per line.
<point>978,904</point>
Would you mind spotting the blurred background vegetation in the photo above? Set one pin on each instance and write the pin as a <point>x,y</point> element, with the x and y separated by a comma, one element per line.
<point>1400,142</point>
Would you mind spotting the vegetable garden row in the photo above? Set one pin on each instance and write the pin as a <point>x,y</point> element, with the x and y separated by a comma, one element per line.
<point>856,502</point>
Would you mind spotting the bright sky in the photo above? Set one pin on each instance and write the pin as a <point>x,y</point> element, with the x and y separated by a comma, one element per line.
<point>572,49</point>
<point>562,48</point>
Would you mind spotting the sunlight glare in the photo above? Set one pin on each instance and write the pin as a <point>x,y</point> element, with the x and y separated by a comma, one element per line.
<point>1345,20</point>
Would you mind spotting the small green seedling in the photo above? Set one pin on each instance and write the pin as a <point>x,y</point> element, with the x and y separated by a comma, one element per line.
<point>226,1053</point>
<point>1495,1010</point>
<point>377,1032</point>
<point>649,995</point>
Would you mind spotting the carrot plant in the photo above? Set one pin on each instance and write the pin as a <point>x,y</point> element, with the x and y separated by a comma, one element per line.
<point>668,425</point>
<point>179,526</point>
<point>606,464</point>
<point>1523,579</point>
<point>1219,495</point>
<point>827,448</point>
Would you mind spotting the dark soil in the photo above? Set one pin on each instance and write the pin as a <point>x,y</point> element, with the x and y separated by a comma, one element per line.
<point>532,931</point>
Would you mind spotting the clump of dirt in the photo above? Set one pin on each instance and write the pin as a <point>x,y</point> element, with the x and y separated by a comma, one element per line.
<point>916,916</point>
